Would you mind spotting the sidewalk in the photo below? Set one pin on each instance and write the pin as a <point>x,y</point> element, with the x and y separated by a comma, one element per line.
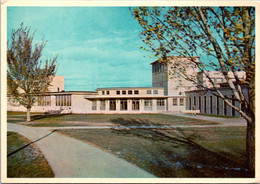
<point>71,158</point>
<point>225,121</point>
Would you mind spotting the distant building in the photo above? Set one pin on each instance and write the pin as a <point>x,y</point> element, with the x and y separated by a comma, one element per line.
<point>170,92</point>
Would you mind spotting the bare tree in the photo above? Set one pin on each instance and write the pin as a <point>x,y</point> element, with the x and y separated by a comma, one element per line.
<point>223,37</point>
<point>27,75</point>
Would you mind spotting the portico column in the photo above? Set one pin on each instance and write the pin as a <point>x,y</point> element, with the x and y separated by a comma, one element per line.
<point>107,105</point>
<point>141,103</point>
<point>129,105</point>
<point>98,105</point>
<point>117,104</point>
<point>154,105</point>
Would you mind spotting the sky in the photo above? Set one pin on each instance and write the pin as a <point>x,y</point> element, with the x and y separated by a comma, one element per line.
<point>97,47</point>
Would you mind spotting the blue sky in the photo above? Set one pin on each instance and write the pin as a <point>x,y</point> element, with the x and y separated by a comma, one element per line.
<point>97,46</point>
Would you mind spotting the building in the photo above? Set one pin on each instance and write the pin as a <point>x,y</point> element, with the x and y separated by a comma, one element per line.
<point>170,92</point>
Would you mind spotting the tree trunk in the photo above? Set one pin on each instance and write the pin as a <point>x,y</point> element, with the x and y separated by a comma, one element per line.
<point>250,147</point>
<point>28,114</point>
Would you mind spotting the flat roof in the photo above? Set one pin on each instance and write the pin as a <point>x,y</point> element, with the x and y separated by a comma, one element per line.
<point>120,88</point>
<point>121,97</point>
<point>174,57</point>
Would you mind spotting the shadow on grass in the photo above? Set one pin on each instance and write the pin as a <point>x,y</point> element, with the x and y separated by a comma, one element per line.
<point>22,118</point>
<point>196,158</point>
<point>43,116</point>
<point>19,149</point>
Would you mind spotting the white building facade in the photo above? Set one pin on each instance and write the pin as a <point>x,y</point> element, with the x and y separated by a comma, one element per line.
<point>170,92</point>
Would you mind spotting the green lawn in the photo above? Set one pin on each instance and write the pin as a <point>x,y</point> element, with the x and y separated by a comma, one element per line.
<point>182,152</point>
<point>106,119</point>
<point>25,161</point>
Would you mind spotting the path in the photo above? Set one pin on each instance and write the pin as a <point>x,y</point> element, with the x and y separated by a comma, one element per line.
<point>225,121</point>
<point>71,158</point>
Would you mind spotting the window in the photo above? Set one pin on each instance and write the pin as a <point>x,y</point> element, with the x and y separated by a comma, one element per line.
<point>205,104</point>
<point>233,103</point>
<point>102,105</point>
<point>174,101</point>
<point>160,104</point>
<point>118,92</point>
<point>217,99</point>
<point>123,104</point>
<point>136,92</point>
<point>112,105</point>
<point>211,110</point>
<point>155,92</point>
<point>43,100</point>
<point>189,103</point>
<point>136,104</point>
<point>200,103</point>
<point>194,100</point>
<point>181,101</point>
<point>149,92</point>
<point>123,92</point>
<point>148,103</point>
<point>63,100</point>
<point>103,92</point>
<point>108,92</point>
<point>130,92</point>
<point>94,105</point>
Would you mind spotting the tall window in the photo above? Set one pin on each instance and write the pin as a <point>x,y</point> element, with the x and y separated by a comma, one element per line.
<point>233,103</point>
<point>148,104</point>
<point>205,104</point>
<point>43,101</point>
<point>189,103</point>
<point>135,104</point>
<point>200,103</point>
<point>181,101</point>
<point>217,99</point>
<point>108,92</point>
<point>94,105</point>
<point>112,104</point>
<point>174,101</point>
<point>102,105</point>
<point>211,110</point>
<point>63,100</point>
<point>123,104</point>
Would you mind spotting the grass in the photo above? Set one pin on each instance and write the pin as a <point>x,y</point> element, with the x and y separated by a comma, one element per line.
<point>105,119</point>
<point>182,152</point>
<point>27,162</point>
<point>215,115</point>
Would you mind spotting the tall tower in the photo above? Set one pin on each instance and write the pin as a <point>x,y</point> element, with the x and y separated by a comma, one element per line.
<point>172,75</point>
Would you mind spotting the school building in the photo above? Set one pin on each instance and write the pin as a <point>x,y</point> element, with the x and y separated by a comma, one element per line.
<point>170,92</point>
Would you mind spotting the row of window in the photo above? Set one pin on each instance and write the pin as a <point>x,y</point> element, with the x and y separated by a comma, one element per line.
<point>209,109</point>
<point>130,92</point>
<point>43,101</point>
<point>175,101</point>
<point>61,100</point>
<point>158,67</point>
<point>124,104</point>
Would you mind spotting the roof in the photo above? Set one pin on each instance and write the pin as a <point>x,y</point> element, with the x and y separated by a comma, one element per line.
<point>128,88</point>
<point>173,57</point>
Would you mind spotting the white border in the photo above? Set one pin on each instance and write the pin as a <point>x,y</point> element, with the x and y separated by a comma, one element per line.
<point>72,3</point>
